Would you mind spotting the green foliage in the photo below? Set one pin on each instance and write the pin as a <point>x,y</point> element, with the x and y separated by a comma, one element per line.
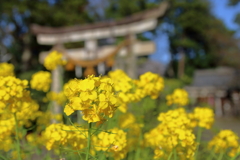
<point>61,13</point>
<point>119,9</point>
<point>24,13</point>
<point>203,38</point>
<point>233,2</point>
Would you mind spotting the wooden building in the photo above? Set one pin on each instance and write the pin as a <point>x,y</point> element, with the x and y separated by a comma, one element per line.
<point>218,88</point>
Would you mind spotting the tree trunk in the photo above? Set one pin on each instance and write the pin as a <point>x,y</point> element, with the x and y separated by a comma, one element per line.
<point>181,64</point>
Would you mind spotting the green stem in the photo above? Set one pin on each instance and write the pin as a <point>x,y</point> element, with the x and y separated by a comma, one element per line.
<point>4,158</point>
<point>89,140</point>
<point>221,156</point>
<point>233,158</point>
<point>175,154</point>
<point>138,152</point>
<point>199,134</point>
<point>170,156</point>
<point>17,138</point>
<point>211,156</point>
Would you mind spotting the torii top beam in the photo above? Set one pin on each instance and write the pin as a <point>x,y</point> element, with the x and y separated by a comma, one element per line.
<point>137,23</point>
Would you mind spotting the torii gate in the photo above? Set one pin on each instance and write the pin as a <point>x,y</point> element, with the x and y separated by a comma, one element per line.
<point>90,33</point>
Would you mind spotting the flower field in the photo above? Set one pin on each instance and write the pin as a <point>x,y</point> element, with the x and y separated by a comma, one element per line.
<point>109,117</point>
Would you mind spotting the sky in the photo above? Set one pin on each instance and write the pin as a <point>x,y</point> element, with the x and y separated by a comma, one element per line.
<point>226,13</point>
<point>220,9</point>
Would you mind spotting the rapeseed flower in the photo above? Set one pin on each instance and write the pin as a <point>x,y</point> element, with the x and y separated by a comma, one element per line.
<point>202,117</point>
<point>114,141</point>
<point>41,81</point>
<point>178,97</point>
<point>93,96</point>
<point>53,60</point>
<point>6,69</point>
<point>128,123</point>
<point>124,86</point>
<point>173,133</point>
<point>151,84</point>
<point>13,92</point>
<point>60,97</point>
<point>57,135</point>
<point>225,141</point>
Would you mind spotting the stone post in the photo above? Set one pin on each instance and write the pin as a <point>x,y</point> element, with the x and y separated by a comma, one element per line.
<point>57,77</point>
<point>131,59</point>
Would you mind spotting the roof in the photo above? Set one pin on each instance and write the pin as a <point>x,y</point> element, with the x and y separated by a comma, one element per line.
<point>148,14</point>
<point>219,77</point>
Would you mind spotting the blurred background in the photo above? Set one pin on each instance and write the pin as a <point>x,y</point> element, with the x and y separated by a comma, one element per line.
<point>193,44</point>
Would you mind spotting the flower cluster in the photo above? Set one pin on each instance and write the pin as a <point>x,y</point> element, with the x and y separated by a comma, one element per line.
<point>12,93</point>
<point>7,124</point>
<point>151,84</point>
<point>93,96</point>
<point>62,135</point>
<point>16,109</point>
<point>28,113</point>
<point>176,118</point>
<point>60,97</point>
<point>41,81</point>
<point>34,139</point>
<point>173,133</point>
<point>225,141</point>
<point>202,117</point>
<point>53,59</point>
<point>128,123</point>
<point>6,69</point>
<point>44,119</point>
<point>130,90</point>
<point>179,97</point>
<point>123,85</point>
<point>113,141</point>
<point>97,98</point>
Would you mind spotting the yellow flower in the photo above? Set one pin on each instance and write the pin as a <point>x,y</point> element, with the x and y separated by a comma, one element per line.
<point>53,59</point>
<point>202,117</point>
<point>225,141</point>
<point>113,141</point>
<point>93,96</point>
<point>13,92</point>
<point>179,97</point>
<point>6,69</point>
<point>60,97</point>
<point>57,135</point>
<point>151,84</point>
<point>173,133</point>
<point>130,90</point>
<point>41,81</point>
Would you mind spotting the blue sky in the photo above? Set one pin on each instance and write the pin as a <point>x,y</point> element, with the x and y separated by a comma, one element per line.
<point>226,13</point>
<point>219,8</point>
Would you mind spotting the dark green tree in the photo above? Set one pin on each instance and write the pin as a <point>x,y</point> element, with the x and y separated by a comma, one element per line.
<point>201,37</point>
<point>21,14</point>
<point>197,39</point>
<point>233,2</point>
<point>237,16</point>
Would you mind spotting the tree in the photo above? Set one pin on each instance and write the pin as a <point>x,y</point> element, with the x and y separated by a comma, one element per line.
<point>21,14</point>
<point>199,36</point>
<point>194,33</point>
<point>233,2</point>
<point>237,17</point>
